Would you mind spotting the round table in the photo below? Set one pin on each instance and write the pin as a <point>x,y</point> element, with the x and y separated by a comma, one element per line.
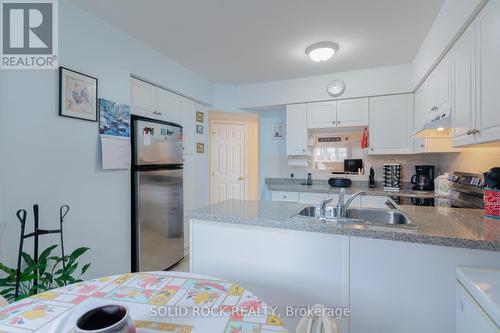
<point>158,302</point>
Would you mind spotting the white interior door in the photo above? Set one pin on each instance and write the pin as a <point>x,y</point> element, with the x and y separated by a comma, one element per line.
<point>228,153</point>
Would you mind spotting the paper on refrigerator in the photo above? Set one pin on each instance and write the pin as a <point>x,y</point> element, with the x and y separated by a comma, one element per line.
<point>115,152</point>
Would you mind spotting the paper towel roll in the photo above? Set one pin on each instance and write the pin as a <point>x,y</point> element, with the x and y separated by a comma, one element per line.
<point>304,163</point>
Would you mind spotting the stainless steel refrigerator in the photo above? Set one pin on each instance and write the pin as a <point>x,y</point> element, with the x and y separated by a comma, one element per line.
<point>157,198</point>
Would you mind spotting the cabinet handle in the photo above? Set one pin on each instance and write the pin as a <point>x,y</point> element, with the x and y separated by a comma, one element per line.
<point>303,150</point>
<point>475,131</point>
<point>371,149</point>
<point>160,113</point>
<point>469,132</point>
<point>422,146</point>
<point>434,108</point>
<point>338,122</point>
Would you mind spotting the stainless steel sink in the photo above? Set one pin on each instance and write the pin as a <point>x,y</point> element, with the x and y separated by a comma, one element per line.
<point>378,216</point>
<point>364,216</point>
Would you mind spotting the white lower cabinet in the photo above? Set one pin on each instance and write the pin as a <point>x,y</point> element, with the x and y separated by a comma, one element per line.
<point>282,267</point>
<point>470,317</point>
<point>285,196</point>
<point>405,287</point>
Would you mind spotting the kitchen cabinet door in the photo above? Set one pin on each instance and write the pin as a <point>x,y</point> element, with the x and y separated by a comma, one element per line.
<point>352,112</point>
<point>142,98</point>
<point>419,118</point>
<point>442,85</point>
<point>167,106</point>
<point>391,124</point>
<point>464,88</point>
<point>296,128</point>
<point>488,73</point>
<point>188,119</point>
<point>322,114</point>
<point>470,317</point>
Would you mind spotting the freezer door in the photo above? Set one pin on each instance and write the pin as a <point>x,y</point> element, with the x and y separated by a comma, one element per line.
<point>157,143</point>
<point>159,219</point>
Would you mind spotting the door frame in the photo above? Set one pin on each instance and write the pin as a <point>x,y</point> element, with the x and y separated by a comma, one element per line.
<point>211,151</point>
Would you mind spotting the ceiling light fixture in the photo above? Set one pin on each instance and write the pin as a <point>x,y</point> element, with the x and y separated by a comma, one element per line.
<point>323,51</point>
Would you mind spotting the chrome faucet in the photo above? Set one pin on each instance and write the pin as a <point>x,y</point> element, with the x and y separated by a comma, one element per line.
<point>322,207</point>
<point>391,203</point>
<point>341,208</point>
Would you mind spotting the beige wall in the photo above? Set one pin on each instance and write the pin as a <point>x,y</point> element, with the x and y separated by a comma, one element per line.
<point>252,158</point>
<point>477,160</point>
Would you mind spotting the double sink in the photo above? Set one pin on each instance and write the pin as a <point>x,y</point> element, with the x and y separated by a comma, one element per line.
<point>363,217</point>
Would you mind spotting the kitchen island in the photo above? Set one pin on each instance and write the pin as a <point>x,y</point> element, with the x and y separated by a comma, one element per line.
<point>392,279</point>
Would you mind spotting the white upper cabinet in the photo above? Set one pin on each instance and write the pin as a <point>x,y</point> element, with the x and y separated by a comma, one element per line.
<point>391,124</point>
<point>142,98</point>
<point>464,107</point>
<point>488,73</point>
<point>352,112</point>
<point>167,105</point>
<point>188,119</point>
<point>296,128</point>
<point>476,83</point>
<point>322,114</point>
<point>151,101</point>
<point>341,113</point>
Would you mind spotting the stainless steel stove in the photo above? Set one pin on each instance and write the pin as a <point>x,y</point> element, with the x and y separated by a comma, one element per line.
<point>466,192</point>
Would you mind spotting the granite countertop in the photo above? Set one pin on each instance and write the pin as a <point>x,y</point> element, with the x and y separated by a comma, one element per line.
<point>456,227</point>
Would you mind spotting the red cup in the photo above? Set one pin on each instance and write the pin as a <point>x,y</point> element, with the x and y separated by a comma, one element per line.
<point>492,203</point>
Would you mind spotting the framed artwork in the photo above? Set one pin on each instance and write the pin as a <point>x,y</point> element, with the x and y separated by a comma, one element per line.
<point>77,95</point>
<point>200,148</point>
<point>199,129</point>
<point>200,116</point>
<point>278,131</point>
<point>114,118</point>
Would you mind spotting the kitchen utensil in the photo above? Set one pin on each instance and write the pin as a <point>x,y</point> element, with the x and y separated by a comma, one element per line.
<point>106,319</point>
<point>492,203</point>
<point>492,178</point>
<point>442,185</point>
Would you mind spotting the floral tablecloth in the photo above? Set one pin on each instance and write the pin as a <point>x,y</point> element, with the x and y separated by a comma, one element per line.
<point>157,301</point>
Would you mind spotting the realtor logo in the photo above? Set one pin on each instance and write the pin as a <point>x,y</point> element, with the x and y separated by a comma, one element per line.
<point>29,34</point>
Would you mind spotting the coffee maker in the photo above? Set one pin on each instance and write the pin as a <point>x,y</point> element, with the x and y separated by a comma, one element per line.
<point>423,180</point>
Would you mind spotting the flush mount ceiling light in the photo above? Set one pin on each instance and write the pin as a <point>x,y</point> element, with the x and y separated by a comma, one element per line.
<point>321,52</point>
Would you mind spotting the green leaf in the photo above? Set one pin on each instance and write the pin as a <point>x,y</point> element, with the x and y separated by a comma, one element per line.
<point>78,252</point>
<point>7,270</point>
<point>28,259</point>
<point>46,252</point>
<point>85,268</point>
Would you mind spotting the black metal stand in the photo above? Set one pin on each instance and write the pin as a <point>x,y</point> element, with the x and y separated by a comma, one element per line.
<point>37,232</point>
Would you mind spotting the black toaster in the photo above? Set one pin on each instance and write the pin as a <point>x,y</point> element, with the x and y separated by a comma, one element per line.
<point>339,182</point>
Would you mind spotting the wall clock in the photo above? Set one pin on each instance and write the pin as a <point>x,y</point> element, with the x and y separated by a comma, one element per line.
<point>336,87</point>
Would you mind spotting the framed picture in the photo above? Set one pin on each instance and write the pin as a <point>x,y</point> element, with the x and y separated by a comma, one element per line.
<point>77,95</point>
<point>200,148</point>
<point>199,129</point>
<point>278,131</point>
<point>200,116</point>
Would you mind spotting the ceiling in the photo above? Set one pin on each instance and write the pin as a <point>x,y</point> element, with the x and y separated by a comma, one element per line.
<point>249,41</point>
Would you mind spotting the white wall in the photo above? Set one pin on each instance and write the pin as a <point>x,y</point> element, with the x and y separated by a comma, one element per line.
<point>52,160</point>
<point>366,82</point>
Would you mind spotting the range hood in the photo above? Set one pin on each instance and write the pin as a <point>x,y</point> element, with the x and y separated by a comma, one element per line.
<point>439,127</point>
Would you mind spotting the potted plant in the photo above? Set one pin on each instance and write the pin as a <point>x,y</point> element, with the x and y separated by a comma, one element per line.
<point>48,273</point>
